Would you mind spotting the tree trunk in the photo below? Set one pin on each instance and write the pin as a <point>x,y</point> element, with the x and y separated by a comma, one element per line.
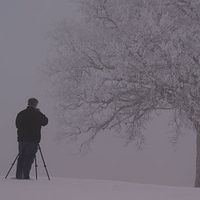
<point>197,178</point>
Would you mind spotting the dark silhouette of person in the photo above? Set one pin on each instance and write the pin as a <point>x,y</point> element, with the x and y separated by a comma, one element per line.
<point>28,123</point>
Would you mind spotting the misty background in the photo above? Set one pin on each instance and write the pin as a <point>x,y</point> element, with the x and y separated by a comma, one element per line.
<point>24,25</point>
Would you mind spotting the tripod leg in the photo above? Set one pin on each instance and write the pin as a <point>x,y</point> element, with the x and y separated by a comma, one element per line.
<point>12,166</point>
<point>43,161</point>
<point>36,175</point>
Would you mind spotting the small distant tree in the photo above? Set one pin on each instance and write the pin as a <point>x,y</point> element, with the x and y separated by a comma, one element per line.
<point>125,60</point>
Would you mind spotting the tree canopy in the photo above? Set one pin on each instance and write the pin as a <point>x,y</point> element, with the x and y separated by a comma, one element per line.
<point>123,61</point>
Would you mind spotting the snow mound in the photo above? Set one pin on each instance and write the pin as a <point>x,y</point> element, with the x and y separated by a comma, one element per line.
<point>75,189</point>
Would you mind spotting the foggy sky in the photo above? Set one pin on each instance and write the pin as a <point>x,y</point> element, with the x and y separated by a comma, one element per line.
<point>23,49</point>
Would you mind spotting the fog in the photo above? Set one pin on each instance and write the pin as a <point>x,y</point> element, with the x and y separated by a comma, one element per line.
<point>23,50</point>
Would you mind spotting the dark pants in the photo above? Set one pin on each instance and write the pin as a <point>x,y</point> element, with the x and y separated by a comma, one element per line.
<point>27,151</point>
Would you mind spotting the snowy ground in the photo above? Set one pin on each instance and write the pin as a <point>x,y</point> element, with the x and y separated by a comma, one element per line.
<point>72,189</point>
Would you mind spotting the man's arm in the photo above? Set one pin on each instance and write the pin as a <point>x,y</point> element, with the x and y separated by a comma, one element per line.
<point>44,119</point>
<point>18,121</point>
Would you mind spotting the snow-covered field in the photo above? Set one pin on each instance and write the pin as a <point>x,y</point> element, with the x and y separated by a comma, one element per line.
<point>74,189</point>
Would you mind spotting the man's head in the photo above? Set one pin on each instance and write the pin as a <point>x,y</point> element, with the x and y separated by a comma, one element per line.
<point>33,102</point>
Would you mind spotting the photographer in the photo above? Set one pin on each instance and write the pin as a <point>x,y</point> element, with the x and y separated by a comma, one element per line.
<point>28,122</point>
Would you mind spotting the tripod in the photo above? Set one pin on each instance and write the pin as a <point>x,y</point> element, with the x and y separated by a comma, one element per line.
<point>36,165</point>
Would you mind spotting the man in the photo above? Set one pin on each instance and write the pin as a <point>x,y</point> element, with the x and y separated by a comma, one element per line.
<point>28,122</point>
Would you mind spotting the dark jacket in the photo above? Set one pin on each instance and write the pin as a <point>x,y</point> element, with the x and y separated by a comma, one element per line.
<point>29,123</point>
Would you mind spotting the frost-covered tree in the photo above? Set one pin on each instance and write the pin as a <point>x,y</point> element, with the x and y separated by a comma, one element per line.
<point>125,60</point>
